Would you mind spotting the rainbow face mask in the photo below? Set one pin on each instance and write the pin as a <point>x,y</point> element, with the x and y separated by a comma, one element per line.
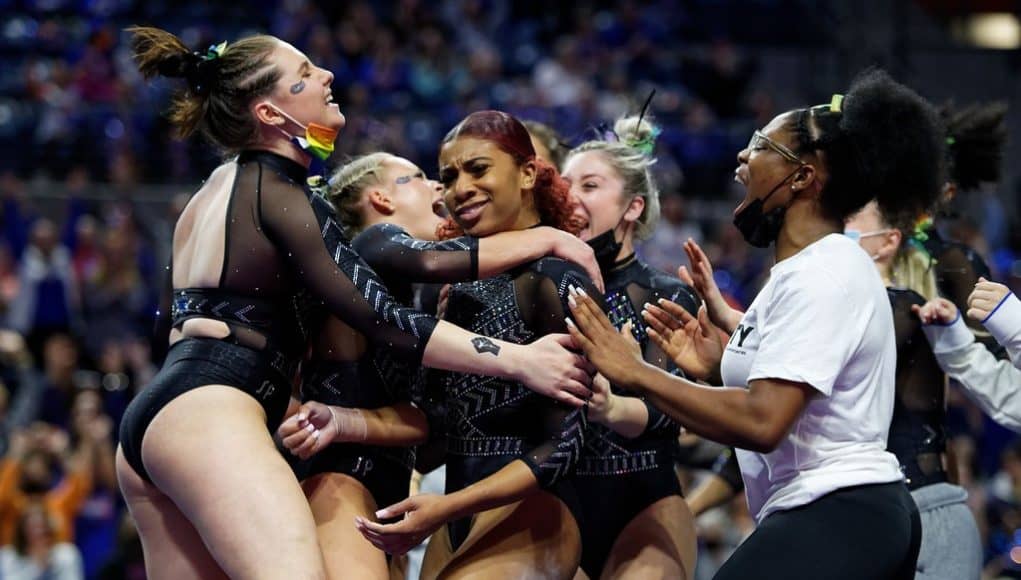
<point>318,140</point>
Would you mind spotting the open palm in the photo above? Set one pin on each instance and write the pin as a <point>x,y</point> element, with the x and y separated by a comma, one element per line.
<point>700,277</point>
<point>694,344</point>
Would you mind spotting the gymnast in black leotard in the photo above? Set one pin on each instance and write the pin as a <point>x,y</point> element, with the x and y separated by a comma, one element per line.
<point>251,251</point>
<point>395,212</point>
<point>636,523</point>
<point>505,443</point>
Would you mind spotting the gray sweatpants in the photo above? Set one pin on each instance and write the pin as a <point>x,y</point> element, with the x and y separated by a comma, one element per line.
<point>951,549</point>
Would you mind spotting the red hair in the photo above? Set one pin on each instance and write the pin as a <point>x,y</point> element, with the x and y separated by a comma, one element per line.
<point>551,192</point>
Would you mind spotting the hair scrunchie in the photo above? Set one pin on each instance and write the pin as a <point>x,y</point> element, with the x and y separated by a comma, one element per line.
<point>199,69</point>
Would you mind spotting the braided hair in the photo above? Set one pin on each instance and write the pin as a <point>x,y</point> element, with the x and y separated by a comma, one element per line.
<point>221,83</point>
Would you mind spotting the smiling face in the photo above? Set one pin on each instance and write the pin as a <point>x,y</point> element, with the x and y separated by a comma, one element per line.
<point>485,190</point>
<point>417,200</point>
<point>303,92</point>
<point>598,190</point>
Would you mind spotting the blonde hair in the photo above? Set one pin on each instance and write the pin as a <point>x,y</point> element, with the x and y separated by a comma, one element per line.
<point>347,184</point>
<point>912,269</point>
<point>912,266</point>
<point>629,159</point>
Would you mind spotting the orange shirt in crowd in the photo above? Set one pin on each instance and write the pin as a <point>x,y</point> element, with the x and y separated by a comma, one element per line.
<point>62,502</point>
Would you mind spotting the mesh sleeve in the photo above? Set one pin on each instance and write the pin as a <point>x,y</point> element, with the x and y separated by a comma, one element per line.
<point>659,423</point>
<point>305,229</point>
<point>163,322</point>
<point>394,254</point>
<point>920,382</point>
<point>545,296</point>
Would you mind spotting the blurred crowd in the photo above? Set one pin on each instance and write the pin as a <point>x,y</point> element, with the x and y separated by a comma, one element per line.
<point>83,252</point>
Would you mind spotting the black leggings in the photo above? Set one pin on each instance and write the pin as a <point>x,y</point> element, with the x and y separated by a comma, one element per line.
<point>868,532</point>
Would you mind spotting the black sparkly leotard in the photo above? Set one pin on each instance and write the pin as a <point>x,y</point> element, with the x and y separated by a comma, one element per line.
<point>616,477</point>
<point>371,378</point>
<point>917,432</point>
<point>493,421</point>
<point>284,250</point>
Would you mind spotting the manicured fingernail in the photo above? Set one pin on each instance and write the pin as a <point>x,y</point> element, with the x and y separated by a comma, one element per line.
<point>571,300</point>
<point>582,291</point>
<point>310,428</point>
<point>569,322</point>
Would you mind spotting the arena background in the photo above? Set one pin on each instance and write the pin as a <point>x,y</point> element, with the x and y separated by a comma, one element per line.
<point>91,180</point>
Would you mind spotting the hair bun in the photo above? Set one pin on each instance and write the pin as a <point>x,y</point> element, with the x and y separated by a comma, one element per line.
<point>638,133</point>
<point>890,147</point>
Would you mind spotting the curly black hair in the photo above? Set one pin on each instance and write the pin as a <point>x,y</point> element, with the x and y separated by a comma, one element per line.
<point>885,143</point>
<point>976,135</point>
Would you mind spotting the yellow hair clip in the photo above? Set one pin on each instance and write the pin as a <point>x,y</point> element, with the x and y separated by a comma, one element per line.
<point>836,103</point>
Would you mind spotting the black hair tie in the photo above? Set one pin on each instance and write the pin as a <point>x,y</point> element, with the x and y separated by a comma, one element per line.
<point>200,70</point>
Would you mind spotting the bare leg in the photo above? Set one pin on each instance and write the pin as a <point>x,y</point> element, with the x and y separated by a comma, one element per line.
<point>335,500</point>
<point>534,538</point>
<point>660,542</point>
<point>172,547</point>
<point>210,452</point>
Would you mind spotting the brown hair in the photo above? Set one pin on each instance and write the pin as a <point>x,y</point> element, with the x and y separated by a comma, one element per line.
<point>220,87</point>
<point>551,192</point>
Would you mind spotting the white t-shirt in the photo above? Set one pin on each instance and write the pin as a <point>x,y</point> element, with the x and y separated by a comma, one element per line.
<point>65,563</point>
<point>824,319</point>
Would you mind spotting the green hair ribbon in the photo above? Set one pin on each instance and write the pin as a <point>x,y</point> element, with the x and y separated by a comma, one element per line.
<point>646,144</point>
<point>214,51</point>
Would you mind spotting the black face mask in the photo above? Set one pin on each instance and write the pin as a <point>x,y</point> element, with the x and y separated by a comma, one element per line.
<point>606,248</point>
<point>761,229</point>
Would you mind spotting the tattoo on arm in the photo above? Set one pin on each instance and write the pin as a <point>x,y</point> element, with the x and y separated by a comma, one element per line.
<point>483,345</point>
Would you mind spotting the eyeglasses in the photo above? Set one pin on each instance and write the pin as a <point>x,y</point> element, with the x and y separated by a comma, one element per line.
<point>857,236</point>
<point>759,140</point>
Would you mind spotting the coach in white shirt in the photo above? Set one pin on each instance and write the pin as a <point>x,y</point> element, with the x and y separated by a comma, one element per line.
<point>812,361</point>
